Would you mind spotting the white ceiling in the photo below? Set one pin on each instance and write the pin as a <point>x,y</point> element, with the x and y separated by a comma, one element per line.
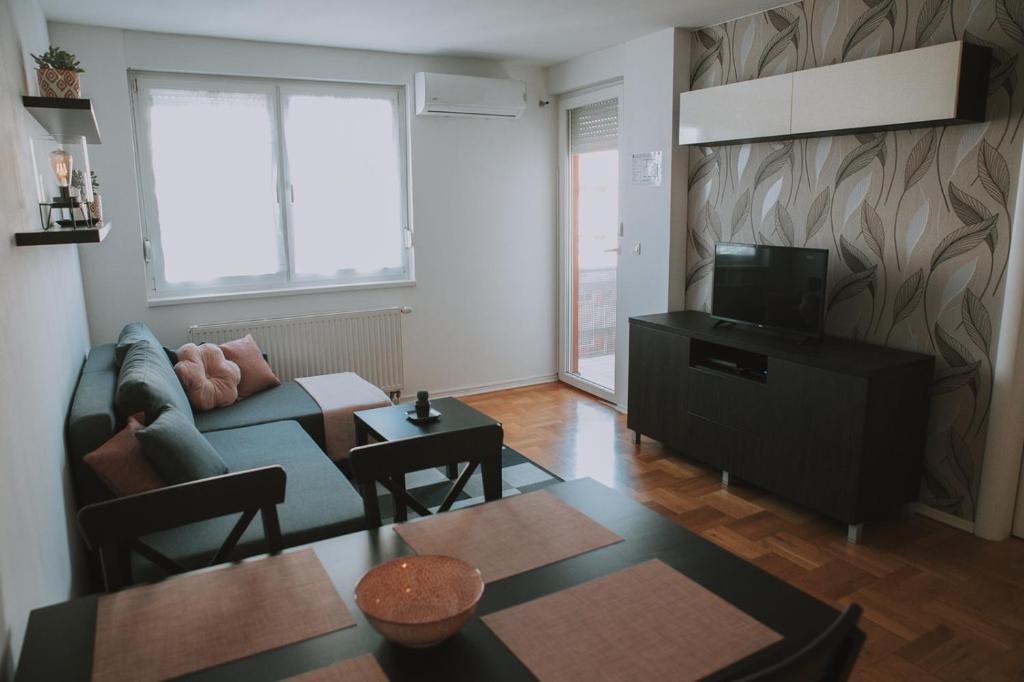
<point>534,31</point>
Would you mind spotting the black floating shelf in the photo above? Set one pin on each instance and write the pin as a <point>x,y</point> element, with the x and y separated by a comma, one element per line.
<point>63,235</point>
<point>68,120</point>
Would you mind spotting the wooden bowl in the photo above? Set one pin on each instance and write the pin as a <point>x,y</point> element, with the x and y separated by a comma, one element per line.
<point>419,601</point>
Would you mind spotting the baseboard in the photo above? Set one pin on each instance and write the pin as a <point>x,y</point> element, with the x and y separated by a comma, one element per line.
<point>943,517</point>
<point>485,388</point>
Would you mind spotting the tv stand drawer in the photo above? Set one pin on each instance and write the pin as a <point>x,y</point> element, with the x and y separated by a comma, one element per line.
<point>717,444</point>
<point>724,399</point>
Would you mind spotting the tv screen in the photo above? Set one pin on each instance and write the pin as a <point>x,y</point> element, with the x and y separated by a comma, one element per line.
<point>780,287</point>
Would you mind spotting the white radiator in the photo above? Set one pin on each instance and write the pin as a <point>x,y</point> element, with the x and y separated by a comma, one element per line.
<point>367,342</point>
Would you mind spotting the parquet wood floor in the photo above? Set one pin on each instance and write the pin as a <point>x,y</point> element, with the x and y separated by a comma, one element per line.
<point>939,603</point>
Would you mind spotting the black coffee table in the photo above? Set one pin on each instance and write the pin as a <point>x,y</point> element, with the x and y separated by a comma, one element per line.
<point>390,423</point>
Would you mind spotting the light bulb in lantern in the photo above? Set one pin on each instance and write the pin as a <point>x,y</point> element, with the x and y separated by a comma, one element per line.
<point>60,162</point>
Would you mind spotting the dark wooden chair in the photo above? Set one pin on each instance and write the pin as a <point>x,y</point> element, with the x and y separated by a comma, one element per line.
<point>829,658</point>
<point>114,528</point>
<point>388,462</point>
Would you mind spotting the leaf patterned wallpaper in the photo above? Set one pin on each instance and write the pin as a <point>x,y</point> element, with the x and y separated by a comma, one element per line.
<point>917,222</point>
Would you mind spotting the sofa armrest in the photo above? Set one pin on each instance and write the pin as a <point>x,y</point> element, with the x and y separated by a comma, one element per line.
<point>127,518</point>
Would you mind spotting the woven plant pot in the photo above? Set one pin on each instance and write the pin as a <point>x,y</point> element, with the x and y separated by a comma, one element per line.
<point>59,83</point>
<point>95,211</point>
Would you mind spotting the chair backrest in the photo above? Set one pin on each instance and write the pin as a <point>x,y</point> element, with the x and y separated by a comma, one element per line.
<point>114,528</point>
<point>388,462</point>
<point>829,658</point>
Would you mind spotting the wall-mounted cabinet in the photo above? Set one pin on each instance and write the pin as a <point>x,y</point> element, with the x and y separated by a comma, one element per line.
<point>939,85</point>
<point>758,108</point>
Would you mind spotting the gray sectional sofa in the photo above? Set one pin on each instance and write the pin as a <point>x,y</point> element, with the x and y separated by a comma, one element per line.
<point>280,426</point>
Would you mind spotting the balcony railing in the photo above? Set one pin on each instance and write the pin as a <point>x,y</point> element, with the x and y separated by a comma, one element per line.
<point>595,307</point>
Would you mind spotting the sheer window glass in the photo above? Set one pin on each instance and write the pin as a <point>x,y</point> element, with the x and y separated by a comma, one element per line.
<point>341,154</point>
<point>207,147</point>
<point>234,206</point>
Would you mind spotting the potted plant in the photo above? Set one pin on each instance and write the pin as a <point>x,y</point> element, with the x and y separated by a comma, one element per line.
<point>57,74</point>
<point>78,183</point>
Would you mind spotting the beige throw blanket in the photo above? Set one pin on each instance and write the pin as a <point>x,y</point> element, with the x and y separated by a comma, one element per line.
<point>339,395</point>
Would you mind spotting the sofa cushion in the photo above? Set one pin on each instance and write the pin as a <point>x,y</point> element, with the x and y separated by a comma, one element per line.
<point>319,501</point>
<point>147,382</point>
<point>138,331</point>
<point>92,421</point>
<point>285,402</point>
<point>177,450</point>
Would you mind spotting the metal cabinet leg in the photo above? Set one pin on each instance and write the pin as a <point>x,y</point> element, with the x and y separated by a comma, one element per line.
<point>636,438</point>
<point>854,532</point>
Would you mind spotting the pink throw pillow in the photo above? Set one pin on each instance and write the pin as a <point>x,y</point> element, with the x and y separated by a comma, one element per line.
<point>256,373</point>
<point>119,462</point>
<point>210,380</point>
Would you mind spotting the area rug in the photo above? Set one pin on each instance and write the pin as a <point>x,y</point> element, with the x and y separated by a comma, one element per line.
<point>518,475</point>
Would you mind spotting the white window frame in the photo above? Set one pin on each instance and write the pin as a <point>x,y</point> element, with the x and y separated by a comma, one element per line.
<point>285,281</point>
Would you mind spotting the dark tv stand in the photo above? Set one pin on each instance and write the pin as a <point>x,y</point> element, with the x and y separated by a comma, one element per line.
<point>836,426</point>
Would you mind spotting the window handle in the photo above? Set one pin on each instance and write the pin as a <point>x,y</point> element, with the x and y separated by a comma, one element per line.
<point>291,189</point>
<point>147,250</point>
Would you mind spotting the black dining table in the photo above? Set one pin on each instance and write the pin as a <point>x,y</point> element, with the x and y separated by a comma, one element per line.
<point>59,639</point>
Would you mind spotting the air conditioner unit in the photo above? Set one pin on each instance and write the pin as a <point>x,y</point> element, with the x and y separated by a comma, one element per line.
<point>442,94</point>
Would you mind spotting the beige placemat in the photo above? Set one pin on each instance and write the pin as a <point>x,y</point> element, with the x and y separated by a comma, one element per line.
<point>509,536</point>
<point>646,622</point>
<point>360,669</point>
<point>187,624</point>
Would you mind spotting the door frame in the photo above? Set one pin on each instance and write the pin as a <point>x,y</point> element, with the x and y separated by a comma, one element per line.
<point>565,252</point>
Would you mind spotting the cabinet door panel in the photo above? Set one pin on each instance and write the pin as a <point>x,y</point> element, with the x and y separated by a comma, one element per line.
<point>907,87</point>
<point>657,361</point>
<point>816,423</point>
<point>739,111</point>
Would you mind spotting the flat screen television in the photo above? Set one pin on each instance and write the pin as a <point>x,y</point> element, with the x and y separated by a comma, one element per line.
<point>776,287</point>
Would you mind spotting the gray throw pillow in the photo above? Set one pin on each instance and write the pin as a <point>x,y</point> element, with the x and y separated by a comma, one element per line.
<point>175,448</point>
<point>147,382</point>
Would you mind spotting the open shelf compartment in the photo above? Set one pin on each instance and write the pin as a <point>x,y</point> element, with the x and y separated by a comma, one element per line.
<point>736,362</point>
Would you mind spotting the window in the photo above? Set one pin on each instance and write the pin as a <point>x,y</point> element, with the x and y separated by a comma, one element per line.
<point>251,185</point>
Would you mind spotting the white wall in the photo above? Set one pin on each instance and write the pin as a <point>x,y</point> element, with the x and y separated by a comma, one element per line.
<point>587,71</point>
<point>483,199</point>
<point>656,69</point>
<point>43,339</point>
<point>653,70</point>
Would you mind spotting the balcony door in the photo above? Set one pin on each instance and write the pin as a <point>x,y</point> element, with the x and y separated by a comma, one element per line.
<point>590,231</point>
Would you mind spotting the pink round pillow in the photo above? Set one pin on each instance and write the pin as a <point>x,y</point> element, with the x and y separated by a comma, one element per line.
<point>210,380</point>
